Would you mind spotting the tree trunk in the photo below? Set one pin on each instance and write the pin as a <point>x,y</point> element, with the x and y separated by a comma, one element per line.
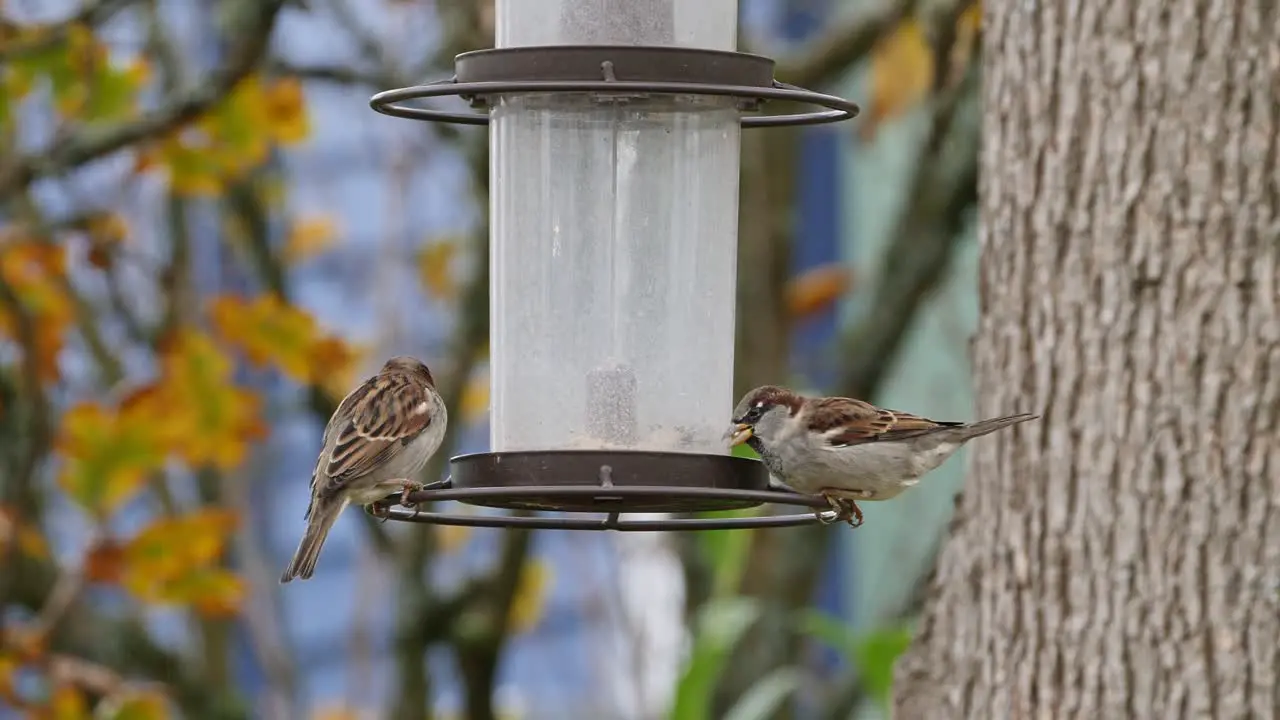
<point>1120,557</point>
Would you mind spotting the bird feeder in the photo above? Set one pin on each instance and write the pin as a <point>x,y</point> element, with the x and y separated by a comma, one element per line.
<point>614,204</point>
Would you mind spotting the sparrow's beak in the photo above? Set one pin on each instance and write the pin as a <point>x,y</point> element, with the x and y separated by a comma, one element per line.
<point>739,434</point>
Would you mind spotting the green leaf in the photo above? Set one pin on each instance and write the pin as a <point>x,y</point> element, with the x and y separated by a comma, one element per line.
<point>721,623</point>
<point>873,653</point>
<point>877,653</point>
<point>764,698</point>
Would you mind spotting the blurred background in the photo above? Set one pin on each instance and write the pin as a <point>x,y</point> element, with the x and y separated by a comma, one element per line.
<point>207,238</point>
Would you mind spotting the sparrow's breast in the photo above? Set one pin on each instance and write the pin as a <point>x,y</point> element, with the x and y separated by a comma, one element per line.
<point>879,470</point>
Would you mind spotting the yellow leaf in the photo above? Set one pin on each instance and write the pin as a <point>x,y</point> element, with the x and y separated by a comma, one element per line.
<point>817,289</point>
<point>175,561</point>
<point>269,330</point>
<point>901,74</point>
<point>435,268</point>
<point>475,396</point>
<point>107,456</point>
<point>66,703</point>
<point>208,420</point>
<point>285,106</point>
<point>133,705</point>
<point>902,67</point>
<point>309,237</point>
<point>530,597</point>
<point>451,537</point>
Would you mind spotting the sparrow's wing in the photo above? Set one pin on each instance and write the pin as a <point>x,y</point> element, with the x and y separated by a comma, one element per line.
<point>844,421</point>
<point>373,423</point>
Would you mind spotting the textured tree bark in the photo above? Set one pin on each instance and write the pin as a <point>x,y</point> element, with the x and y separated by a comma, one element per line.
<point>1120,558</point>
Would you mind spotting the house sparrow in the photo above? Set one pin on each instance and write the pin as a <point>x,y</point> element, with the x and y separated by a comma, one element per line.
<point>847,450</point>
<point>380,436</point>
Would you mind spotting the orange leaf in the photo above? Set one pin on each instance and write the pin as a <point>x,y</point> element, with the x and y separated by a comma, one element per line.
<point>902,67</point>
<point>817,289</point>
<point>104,562</point>
<point>106,232</point>
<point>901,74</point>
<point>35,270</point>
<point>269,330</point>
<point>13,528</point>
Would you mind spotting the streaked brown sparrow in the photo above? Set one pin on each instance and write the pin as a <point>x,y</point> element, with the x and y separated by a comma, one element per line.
<point>847,450</point>
<point>380,436</point>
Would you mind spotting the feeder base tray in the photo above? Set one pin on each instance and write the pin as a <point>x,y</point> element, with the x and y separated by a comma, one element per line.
<point>605,482</point>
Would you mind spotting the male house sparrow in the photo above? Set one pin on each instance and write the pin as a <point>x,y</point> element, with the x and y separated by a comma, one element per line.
<point>847,450</point>
<point>380,436</point>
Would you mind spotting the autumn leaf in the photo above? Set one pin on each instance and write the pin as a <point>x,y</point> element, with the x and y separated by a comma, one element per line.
<point>269,330</point>
<point>104,562</point>
<point>35,270</point>
<point>107,456</point>
<point>208,420</point>
<point>133,705</point>
<point>285,109</point>
<point>435,268</point>
<point>66,703</point>
<point>106,232</point>
<point>14,529</point>
<point>530,596</point>
<point>309,237</point>
<point>902,67</point>
<point>475,396</point>
<point>817,289</point>
<point>334,364</point>
<point>451,537</point>
<point>174,561</point>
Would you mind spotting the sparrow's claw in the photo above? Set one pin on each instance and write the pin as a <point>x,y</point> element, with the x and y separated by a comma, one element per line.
<point>409,487</point>
<point>846,509</point>
<point>380,510</point>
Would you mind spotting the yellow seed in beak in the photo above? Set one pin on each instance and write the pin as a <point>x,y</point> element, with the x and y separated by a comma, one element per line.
<point>741,434</point>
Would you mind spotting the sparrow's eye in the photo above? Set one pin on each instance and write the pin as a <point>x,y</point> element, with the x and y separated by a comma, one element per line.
<point>753,414</point>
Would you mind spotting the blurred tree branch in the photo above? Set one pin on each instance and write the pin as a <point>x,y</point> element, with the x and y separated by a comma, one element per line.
<point>940,194</point>
<point>249,29</point>
<point>91,14</point>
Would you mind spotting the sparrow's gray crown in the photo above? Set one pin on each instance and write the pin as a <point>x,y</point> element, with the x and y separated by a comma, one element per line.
<point>409,364</point>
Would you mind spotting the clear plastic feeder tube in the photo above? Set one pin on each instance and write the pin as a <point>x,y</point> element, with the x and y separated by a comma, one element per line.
<point>614,231</point>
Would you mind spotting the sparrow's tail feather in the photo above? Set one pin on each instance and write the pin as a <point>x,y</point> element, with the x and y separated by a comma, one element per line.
<point>323,514</point>
<point>984,427</point>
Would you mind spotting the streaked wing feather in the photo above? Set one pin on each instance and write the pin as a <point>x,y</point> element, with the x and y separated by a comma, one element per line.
<point>854,422</point>
<point>385,414</point>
